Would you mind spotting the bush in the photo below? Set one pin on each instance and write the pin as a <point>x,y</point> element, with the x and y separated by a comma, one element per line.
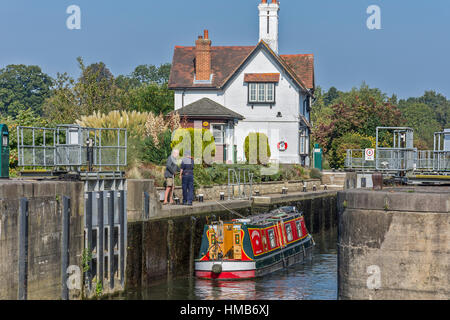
<point>254,154</point>
<point>315,174</point>
<point>351,140</point>
<point>194,139</point>
<point>157,154</point>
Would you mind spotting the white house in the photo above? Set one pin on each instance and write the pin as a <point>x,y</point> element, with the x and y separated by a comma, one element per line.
<point>236,90</point>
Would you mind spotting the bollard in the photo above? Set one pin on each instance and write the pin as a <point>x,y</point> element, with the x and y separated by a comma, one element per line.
<point>304,186</point>
<point>177,200</point>
<point>200,198</point>
<point>222,196</point>
<point>284,190</point>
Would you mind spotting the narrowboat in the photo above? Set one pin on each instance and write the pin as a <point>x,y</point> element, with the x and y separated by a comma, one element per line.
<point>255,246</point>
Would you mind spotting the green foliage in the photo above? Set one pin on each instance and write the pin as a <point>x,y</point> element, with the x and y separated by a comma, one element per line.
<point>95,91</point>
<point>254,145</point>
<point>359,111</point>
<point>350,140</point>
<point>23,87</point>
<point>86,258</point>
<point>427,114</point>
<point>26,118</point>
<point>157,154</point>
<point>199,142</point>
<point>151,98</point>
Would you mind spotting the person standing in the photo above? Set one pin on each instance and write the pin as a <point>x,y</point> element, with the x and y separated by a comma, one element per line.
<point>187,178</point>
<point>169,175</point>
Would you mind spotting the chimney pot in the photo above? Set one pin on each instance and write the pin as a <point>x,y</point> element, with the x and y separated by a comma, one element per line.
<point>206,34</point>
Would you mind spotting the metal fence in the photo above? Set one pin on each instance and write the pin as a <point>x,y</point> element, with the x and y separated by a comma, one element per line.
<point>242,179</point>
<point>356,160</point>
<point>71,146</point>
<point>392,160</point>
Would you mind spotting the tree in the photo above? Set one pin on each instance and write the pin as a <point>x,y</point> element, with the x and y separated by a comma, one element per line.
<point>151,98</point>
<point>23,87</point>
<point>422,118</point>
<point>146,74</point>
<point>331,96</point>
<point>95,91</point>
<point>359,111</point>
<point>438,104</point>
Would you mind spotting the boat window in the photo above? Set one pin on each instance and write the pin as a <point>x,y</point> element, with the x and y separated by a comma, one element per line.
<point>299,229</point>
<point>264,242</point>
<point>289,233</point>
<point>272,240</point>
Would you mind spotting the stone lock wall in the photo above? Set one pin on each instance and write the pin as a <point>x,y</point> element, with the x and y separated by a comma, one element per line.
<point>394,244</point>
<point>213,192</point>
<point>43,270</point>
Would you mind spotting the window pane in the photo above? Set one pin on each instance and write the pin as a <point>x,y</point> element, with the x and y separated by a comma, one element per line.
<point>252,92</point>
<point>218,133</point>
<point>261,92</point>
<point>269,91</point>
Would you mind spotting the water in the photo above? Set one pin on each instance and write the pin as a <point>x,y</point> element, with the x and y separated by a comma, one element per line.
<point>312,280</point>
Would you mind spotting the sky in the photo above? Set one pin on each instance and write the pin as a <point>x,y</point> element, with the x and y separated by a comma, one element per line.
<point>408,55</point>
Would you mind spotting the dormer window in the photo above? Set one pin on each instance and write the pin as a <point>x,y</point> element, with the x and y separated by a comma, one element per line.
<point>261,87</point>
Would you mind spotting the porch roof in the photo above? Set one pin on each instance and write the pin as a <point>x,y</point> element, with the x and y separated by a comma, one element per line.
<point>206,108</point>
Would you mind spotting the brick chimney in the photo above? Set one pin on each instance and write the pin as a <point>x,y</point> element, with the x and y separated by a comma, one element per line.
<point>203,58</point>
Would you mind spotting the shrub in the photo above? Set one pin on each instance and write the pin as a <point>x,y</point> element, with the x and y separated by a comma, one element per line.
<point>315,174</point>
<point>351,140</point>
<point>256,154</point>
<point>157,154</point>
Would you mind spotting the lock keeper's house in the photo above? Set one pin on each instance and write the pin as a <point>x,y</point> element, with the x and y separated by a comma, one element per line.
<point>235,90</point>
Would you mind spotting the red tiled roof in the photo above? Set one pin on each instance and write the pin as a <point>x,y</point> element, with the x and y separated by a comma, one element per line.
<point>225,61</point>
<point>303,66</point>
<point>262,77</point>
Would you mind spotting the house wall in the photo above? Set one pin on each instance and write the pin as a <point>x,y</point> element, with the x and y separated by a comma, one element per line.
<point>259,118</point>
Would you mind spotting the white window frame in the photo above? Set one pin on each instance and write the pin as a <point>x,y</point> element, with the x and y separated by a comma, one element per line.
<point>289,234</point>
<point>258,92</point>
<point>299,229</point>
<point>303,141</point>
<point>222,130</point>
<point>253,93</point>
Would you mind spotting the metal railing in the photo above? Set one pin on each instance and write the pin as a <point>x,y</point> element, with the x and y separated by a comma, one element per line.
<point>355,160</point>
<point>242,178</point>
<point>393,160</point>
<point>72,146</point>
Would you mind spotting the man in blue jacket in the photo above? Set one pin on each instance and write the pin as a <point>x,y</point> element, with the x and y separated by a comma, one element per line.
<point>187,178</point>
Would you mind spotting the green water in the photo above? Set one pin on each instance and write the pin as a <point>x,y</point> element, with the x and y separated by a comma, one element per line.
<point>312,280</point>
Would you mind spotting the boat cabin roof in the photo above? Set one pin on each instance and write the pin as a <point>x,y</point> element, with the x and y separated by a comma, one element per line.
<point>271,217</point>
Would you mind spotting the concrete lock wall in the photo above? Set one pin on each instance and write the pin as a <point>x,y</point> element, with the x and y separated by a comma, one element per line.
<point>394,244</point>
<point>43,271</point>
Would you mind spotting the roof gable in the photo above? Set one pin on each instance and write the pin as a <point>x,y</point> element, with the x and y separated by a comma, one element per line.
<point>227,62</point>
